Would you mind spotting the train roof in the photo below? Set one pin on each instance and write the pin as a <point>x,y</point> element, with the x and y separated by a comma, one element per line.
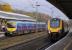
<point>28,22</point>
<point>41,23</point>
<point>9,15</point>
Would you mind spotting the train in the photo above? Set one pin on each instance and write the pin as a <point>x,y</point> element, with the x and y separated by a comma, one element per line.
<point>57,28</point>
<point>24,27</point>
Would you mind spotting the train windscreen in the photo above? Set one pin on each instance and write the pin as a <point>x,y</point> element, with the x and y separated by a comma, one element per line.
<point>10,25</point>
<point>55,23</point>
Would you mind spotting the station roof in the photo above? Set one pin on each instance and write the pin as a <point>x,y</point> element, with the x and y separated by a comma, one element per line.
<point>64,5</point>
<point>9,15</point>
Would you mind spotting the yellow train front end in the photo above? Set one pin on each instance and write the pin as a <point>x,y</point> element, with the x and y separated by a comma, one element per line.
<point>11,28</point>
<point>55,28</point>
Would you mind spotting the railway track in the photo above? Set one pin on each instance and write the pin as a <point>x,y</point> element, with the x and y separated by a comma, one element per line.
<point>33,41</point>
<point>29,41</point>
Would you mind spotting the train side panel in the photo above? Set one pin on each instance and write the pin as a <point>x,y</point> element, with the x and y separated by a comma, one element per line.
<point>25,27</point>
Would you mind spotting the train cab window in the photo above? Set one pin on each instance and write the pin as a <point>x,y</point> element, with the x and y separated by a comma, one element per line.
<point>9,25</point>
<point>55,23</point>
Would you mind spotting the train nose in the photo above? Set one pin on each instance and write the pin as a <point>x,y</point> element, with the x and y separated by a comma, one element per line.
<point>11,29</point>
<point>49,31</point>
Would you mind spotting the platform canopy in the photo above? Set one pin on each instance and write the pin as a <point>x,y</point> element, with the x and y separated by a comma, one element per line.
<point>9,15</point>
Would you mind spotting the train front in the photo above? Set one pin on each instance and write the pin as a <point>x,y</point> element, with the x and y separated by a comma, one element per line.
<point>11,28</point>
<point>55,25</point>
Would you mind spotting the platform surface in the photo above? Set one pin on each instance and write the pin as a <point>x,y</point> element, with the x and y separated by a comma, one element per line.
<point>63,44</point>
<point>2,34</point>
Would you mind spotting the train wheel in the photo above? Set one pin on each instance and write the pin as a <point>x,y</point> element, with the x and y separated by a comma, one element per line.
<point>54,37</point>
<point>8,34</point>
<point>26,32</point>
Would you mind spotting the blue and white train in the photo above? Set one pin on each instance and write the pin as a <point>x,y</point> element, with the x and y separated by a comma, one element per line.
<point>24,27</point>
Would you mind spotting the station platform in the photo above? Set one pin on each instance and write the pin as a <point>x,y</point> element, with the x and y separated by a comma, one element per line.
<point>2,34</point>
<point>63,44</point>
<point>28,42</point>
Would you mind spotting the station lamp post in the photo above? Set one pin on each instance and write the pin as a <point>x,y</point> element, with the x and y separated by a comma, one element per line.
<point>53,12</point>
<point>36,15</point>
<point>37,5</point>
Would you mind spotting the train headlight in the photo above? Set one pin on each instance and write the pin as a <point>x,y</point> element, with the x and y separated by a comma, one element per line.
<point>49,31</point>
<point>60,31</point>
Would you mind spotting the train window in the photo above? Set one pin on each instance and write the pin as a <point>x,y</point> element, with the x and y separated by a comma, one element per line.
<point>54,23</point>
<point>10,25</point>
